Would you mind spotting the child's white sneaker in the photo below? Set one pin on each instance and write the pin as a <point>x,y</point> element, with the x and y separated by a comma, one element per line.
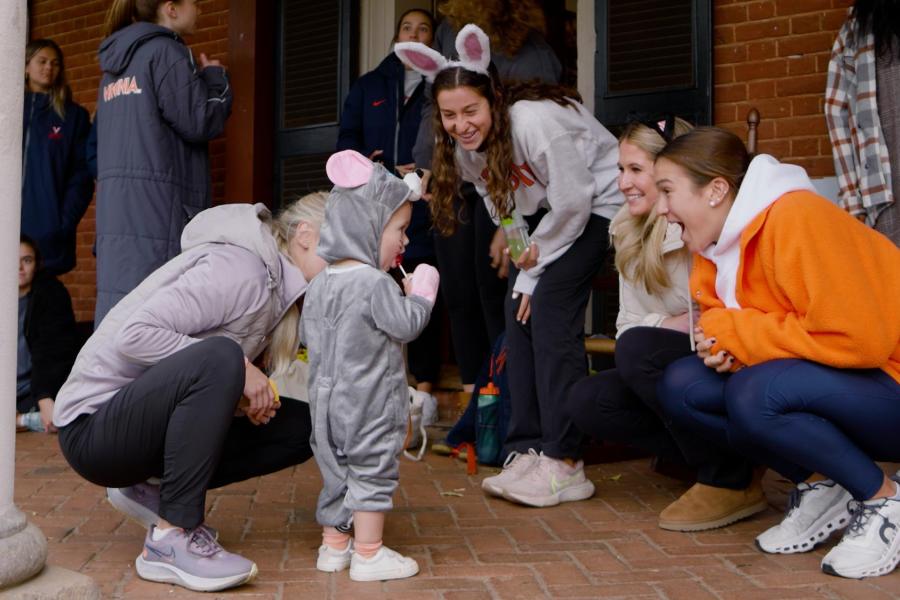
<point>386,564</point>
<point>515,467</point>
<point>550,482</point>
<point>871,544</point>
<point>331,560</point>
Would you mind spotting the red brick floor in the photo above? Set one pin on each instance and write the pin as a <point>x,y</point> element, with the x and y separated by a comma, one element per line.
<point>469,547</point>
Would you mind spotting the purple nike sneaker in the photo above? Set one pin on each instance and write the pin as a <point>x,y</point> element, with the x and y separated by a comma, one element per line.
<point>192,559</point>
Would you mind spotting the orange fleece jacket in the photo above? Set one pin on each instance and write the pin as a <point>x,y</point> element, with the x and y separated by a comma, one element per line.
<point>813,283</point>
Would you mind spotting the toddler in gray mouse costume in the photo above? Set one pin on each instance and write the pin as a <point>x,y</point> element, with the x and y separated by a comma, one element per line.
<point>355,322</point>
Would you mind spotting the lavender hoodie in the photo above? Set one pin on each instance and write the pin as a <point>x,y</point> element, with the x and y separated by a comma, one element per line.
<point>230,280</point>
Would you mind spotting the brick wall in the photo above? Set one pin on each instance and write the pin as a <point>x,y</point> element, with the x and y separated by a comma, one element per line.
<point>76,25</point>
<point>773,55</point>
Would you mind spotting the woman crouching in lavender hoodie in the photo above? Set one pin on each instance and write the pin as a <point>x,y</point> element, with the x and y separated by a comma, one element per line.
<point>156,391</point>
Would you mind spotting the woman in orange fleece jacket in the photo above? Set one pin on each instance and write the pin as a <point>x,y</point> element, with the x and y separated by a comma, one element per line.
<point>798,361</point>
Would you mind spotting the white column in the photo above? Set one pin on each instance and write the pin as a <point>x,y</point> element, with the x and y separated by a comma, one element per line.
<point>23,548</point>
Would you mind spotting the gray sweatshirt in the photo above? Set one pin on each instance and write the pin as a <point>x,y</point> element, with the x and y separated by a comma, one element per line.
<point>229,281</point>
<point>565,161</point>
<point>355,321</point>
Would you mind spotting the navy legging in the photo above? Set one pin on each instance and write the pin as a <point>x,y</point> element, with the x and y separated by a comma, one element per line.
<point>795,416</point>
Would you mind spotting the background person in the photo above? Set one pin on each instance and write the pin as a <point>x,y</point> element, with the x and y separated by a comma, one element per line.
<point>47,340</point>
<point>863,113</point>
<point>56,183</point>
<point>156,111</point>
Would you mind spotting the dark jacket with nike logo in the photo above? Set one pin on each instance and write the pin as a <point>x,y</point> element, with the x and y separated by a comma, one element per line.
<point>56,184</point>
<point>375,118</point>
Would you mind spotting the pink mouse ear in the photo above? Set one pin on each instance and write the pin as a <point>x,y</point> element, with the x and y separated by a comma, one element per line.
<point>349,169</point>
<point>420,57</point>
<point>474,48</point>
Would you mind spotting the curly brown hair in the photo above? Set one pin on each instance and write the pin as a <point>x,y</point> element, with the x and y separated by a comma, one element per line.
<point>508,23</point>
<point>497,146</point>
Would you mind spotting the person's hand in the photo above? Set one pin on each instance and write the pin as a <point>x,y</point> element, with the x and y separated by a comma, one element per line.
<point>702,344</point>
<point>723,362</point>
<point>524,307</point>
<point>260,395</point>
<point>498,254</point>
<point>376,156</point>
<point>405,170</point>
<point>528,258</point>
<point>678,323</point>
<point>426,179</point>
<point>45,405</point>
<point>208,62</point>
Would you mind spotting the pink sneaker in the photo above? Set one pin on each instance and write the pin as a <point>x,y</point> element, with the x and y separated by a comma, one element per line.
<point>515,466</point>
<point>550,482</point>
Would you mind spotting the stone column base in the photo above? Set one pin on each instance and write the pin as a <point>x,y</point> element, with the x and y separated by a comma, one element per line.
<point>54,583</point>
<point>23,548</point>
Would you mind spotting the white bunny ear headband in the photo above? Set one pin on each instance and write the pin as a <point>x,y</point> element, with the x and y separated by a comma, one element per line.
<point>473,47</point>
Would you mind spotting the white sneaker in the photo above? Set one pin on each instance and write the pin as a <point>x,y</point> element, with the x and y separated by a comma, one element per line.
<point>331,560</point>
<point>871,544</point>
<point>386,564</point>
<point>550,482</point>
<point>514,467</point>
<point>815,510</point>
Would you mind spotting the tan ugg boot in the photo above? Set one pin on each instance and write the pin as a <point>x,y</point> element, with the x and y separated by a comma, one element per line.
<point>706,507</point>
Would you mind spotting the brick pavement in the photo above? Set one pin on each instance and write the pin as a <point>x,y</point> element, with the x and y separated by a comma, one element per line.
<point>469,547</point>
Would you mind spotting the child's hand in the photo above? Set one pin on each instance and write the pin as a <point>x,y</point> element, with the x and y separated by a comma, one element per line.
<point>424,282</point>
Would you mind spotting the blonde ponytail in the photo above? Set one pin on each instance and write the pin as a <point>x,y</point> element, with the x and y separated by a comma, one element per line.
<point>308,209</point>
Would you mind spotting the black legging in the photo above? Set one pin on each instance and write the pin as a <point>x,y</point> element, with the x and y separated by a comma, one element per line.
<point>622,405</point>
<point>176,421</point>
<point>472,291</point>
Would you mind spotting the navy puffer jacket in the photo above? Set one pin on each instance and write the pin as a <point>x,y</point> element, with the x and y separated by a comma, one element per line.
<point>155,114</point>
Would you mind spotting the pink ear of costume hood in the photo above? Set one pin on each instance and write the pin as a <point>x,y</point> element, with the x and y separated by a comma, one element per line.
<point>349,169</point>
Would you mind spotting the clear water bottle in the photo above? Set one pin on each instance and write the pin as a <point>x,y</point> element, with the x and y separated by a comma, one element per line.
<point>516,230</point>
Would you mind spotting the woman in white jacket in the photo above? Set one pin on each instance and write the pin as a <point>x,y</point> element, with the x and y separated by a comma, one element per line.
<point>156,391</point>
<point>653,330</point>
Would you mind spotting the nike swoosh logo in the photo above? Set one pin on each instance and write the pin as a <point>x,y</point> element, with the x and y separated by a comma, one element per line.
<point>167,556</point>
<point>378,102</point>
<point>557,485</point>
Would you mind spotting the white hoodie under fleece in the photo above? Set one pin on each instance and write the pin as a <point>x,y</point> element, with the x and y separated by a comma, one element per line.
<point>765,182</point>
<point>565,161</point>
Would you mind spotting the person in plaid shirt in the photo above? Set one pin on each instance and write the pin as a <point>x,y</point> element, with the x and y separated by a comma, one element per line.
<point>863,114</point>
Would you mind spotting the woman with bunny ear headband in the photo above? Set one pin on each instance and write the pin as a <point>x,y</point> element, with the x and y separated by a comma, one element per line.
<point>529,148</point>
<point>470,256</point>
